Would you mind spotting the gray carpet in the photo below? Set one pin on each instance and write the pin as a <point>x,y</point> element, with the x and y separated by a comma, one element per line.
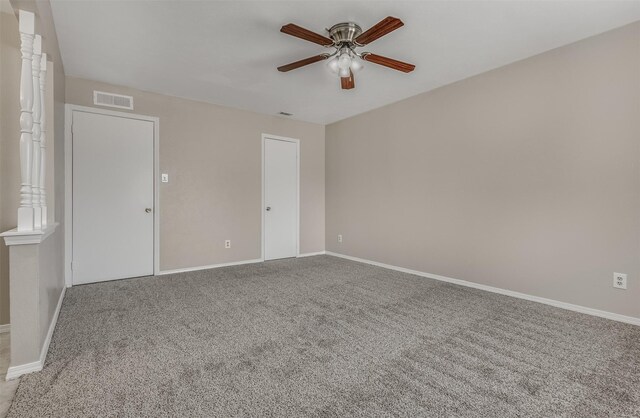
<point>322,336</point>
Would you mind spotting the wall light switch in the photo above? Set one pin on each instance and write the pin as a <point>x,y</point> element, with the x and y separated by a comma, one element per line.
<point>165,178</point>
<point>620,280</point>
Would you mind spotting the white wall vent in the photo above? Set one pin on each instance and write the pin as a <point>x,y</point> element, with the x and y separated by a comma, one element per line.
<point>112,100</point>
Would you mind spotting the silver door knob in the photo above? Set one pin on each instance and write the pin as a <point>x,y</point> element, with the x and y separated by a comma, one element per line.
<point>148,210</point>
<point>268,208</point>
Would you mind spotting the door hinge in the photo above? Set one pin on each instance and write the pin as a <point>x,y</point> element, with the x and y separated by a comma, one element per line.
<point>72,266</point>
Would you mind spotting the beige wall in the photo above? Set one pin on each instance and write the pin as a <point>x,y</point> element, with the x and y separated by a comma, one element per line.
<point>213,157</point>
<point>51,283</point>
<point>525,178</point>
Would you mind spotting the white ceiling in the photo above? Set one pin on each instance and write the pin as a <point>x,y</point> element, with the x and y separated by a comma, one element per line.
<point>227,52</point>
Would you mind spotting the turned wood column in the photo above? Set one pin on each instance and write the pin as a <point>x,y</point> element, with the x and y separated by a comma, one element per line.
<point>27,30</point>
<point>36,114</point>
<point>43,136</point>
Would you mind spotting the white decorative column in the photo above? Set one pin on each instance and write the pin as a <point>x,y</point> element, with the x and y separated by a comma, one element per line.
<point>43,136</point>
<point>35,166</point>
<point>25,211</point>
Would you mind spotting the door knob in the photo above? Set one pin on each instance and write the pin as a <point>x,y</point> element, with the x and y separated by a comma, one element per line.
<point>148,210</point>
<point>268,208</point>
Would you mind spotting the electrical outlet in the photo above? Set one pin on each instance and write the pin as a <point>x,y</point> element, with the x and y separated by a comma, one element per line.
<point>227,243</point>
<point>620,280</point>
<point>165,178</point>
<point>339,238</point>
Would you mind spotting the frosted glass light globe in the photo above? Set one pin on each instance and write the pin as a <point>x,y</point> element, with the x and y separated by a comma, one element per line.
<point>344,61</point>
<point>344,72</point>
<point>356,65</point>
<point>333,65</point>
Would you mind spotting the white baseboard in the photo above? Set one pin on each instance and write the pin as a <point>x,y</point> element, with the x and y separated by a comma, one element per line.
<point>564,305</point>
<point>233,263</point>
<point>17,371</point>
<point>210,266</point>
<point>5,328</point>
<point>52,327</point>
<point>311,254</point>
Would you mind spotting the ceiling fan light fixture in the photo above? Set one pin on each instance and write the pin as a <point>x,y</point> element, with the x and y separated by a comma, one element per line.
<point>333,65</point>
<point>345,38</point>
<point>344,61</point>
<point>356,65</point>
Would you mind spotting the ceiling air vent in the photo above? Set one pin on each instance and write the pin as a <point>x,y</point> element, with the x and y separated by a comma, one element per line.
<point>112,100</point>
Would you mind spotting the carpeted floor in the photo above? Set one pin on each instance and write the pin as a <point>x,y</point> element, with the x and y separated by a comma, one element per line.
<point>322,336</point>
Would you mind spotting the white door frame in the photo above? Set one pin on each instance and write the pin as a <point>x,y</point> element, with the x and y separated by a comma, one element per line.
<point>264,206</point>
<point>68,183</point>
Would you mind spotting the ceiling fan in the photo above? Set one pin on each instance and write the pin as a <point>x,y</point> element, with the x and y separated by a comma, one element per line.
<point>345,38</point>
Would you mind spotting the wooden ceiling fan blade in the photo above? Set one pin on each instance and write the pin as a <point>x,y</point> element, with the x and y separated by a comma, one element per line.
<point>386,25</point>
<point>302,63</point>
<point>347,83</point>
<point>306,34</point>
<point>388,62</point>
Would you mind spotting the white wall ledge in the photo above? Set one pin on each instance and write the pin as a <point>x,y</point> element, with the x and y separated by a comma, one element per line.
<point>15,237</point>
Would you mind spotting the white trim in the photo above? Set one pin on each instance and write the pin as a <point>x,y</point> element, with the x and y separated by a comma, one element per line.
<point>311,254</point>
<point>17,371</point>
<point>210,266</point>
<point>232,263</point>
<point>68,182</point>
<point>68,188</point>
<point>36,366</point>
<point>156,195</point>
<point>563,305</point>
<point>15,237</point>
<point>263,206</point>
<point>5,328</point>
<point>52,327</point>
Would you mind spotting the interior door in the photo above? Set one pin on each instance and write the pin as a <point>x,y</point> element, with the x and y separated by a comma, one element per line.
<point>113,196</point>
<point>280,198</point>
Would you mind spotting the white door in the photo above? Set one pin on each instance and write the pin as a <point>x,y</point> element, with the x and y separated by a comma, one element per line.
<point>112,197</point>
<point>280,198</point>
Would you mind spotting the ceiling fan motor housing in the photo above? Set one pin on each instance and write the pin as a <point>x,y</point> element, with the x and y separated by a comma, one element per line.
<point>345,33</point>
